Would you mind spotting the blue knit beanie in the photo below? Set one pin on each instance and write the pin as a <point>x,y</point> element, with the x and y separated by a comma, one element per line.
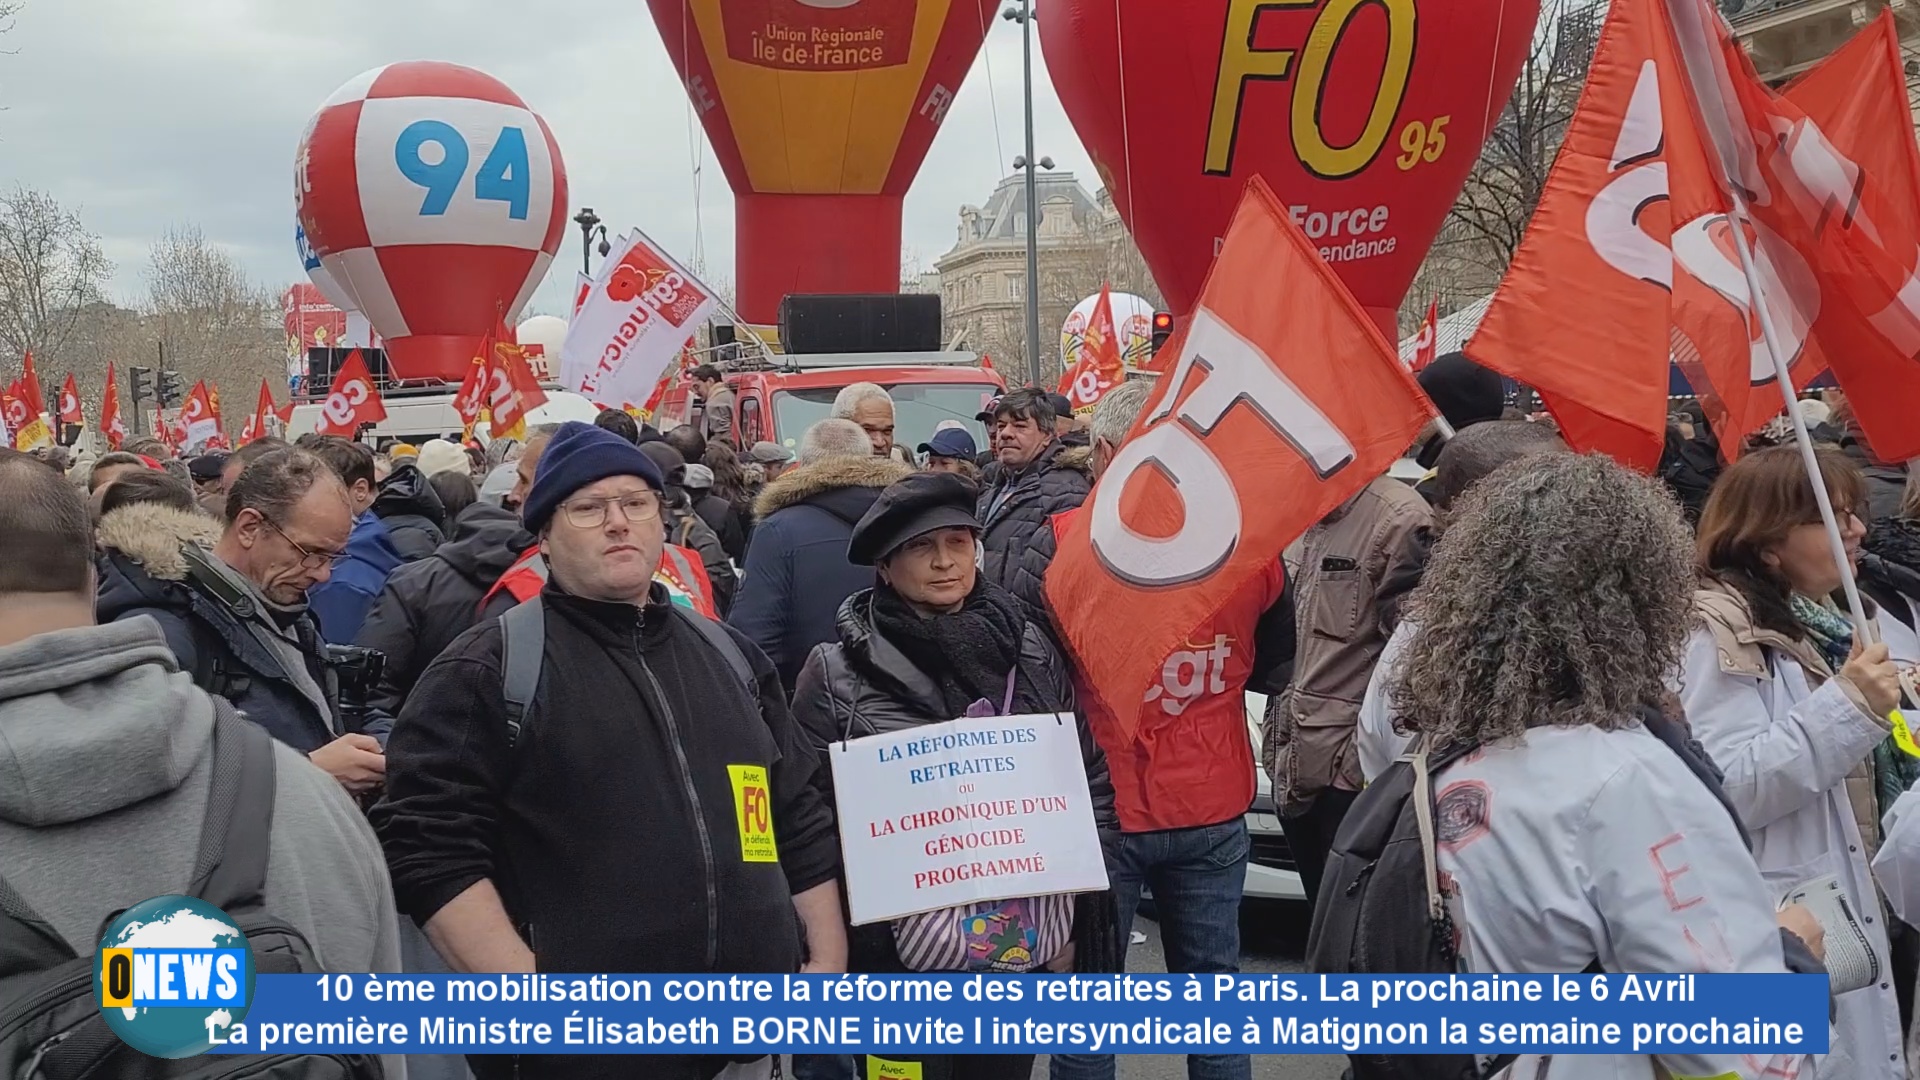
<point>578,455</point>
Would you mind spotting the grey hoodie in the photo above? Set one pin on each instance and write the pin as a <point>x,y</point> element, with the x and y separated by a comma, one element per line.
<point>105,759</point>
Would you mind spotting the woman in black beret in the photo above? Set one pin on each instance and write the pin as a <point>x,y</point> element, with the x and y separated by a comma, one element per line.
<point>932,641</point>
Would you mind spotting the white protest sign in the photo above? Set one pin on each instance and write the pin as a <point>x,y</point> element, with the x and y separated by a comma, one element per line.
<point>986,808</point>
<point>637,313</point>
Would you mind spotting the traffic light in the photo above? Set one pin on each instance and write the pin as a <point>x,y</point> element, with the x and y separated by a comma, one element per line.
<point>170,391</point>
<point>142,380</point>
<point>1162,329</point>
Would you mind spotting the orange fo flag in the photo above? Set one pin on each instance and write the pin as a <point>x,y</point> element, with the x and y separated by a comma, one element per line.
<point>352,401</point>
<point>1284,400</point>
<point>1100,368</point>
<point>111,425</point>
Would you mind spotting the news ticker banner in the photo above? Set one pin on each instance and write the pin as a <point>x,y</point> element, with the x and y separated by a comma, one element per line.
<point>1030,1014</point>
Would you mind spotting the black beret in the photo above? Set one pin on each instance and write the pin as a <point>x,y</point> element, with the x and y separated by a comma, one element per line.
<point>912,506</point>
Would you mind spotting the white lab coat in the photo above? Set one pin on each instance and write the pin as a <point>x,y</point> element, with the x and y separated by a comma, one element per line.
<point>1374,738</point>
<point>1581,844</point>
<point>1785,750</point>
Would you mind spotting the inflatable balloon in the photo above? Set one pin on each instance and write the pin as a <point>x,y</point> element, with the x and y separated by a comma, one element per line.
<point>540,339</point>
<point>820,112</point>
<point>317,273</point>
<point>1364,116</point>
<point>1132,320</point>
<point>435,199</point>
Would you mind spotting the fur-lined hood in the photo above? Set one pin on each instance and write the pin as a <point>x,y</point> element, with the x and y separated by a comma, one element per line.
<point>152,535</point>
<point>826,475</point>
<point>1077,458</point>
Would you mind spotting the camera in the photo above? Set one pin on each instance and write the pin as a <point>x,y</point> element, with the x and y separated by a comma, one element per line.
<point>356,672</point>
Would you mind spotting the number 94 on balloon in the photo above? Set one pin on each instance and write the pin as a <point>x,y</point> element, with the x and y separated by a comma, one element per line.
<point>472,172</point>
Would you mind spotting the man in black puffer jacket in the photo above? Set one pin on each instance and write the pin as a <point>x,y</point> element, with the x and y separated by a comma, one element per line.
<point>426,604</point>
<point>415,520</point>
<point>1038,478</point>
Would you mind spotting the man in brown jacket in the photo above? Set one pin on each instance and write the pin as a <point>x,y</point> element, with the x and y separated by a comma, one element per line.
<point>1337,569</point>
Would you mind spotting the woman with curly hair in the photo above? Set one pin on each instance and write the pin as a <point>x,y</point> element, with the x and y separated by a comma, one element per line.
<point>1794,710</point>
<point>1556,602</point>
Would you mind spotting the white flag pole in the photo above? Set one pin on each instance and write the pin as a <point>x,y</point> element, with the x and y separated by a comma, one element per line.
<point>1862,629</point>
<point>1697,28</point>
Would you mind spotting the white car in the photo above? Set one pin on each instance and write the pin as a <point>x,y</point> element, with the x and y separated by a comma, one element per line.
<point>1270,870</point>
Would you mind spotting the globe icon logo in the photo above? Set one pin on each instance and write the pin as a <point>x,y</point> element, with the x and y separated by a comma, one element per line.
<point>174,974</point>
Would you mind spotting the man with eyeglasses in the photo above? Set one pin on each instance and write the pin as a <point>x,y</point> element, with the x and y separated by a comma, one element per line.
<point>232,602</point>
<point>593,827</point>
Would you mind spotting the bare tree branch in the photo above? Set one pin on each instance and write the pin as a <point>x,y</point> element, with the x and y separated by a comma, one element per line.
<point>50,266</point>
<point>1489,219</point>
<point>215,323</point>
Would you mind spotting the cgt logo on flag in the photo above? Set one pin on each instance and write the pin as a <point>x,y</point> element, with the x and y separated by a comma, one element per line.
<point>174,974</point>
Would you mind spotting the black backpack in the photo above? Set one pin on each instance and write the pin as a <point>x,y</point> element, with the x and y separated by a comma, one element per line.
<point>1380,911</point>
<point>50,1024</point>
<point>523,643</point>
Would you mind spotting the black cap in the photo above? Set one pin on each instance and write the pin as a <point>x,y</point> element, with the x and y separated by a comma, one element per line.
<point>1061,406</point>
<point>1466,393</point>
<point>207,467</point>
<point>912,506</point>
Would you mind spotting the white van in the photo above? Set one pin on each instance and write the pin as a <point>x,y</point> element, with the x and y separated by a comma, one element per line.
<point>415,419</point>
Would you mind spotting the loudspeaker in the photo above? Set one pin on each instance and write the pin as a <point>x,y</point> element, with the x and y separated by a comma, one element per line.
<point>322,363</point>
<point>860,323</point>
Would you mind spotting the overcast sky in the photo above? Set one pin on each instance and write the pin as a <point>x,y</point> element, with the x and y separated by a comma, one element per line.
<point>143,113</point>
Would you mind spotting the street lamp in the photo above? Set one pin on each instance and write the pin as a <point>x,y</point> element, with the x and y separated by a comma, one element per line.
<point>1023,14</point>
<point>589,223</point>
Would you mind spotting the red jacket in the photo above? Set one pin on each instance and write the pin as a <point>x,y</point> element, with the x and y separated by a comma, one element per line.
<point>1190,762</point>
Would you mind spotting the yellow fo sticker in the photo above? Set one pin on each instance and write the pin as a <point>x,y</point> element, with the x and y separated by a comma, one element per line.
<point>882,1069</point>
<point>1902,734</point>
<point>753,808</point>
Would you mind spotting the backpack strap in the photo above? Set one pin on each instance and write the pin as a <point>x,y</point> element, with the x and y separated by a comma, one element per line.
<point>231,869</point>
<point>722,641</point>
<point>1423,814</point>
<point>523,646</point>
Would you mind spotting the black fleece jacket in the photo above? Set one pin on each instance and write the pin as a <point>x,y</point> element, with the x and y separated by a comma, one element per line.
<point>610,827</point>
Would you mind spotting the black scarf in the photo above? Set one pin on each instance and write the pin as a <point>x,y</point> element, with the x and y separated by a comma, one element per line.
<point>969,653</point>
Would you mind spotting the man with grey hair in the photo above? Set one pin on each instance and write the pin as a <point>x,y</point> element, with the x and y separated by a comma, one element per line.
<point>870,406</point>
<point>1182,764</point>
<point>833,438</point>
<point>232,600</point>
<point>797,573</point>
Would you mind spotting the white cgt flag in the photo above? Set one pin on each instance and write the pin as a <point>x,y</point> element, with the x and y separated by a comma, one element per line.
<point>638,311</point>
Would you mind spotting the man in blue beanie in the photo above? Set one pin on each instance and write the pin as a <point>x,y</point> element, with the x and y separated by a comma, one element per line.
<point>534,833</point>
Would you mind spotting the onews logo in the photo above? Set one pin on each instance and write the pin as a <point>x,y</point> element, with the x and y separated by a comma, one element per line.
<point>173,975</point>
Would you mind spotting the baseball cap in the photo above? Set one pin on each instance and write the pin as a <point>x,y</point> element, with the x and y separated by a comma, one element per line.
<point>952,442</point>
<point>1061,406</point>
<point>985,415</point>
<point>770,453</point>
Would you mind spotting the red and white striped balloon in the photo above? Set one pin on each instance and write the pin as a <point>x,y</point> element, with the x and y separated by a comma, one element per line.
<point>436,200</point>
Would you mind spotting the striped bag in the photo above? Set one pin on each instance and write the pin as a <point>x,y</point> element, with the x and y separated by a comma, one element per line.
<point>994,935</point>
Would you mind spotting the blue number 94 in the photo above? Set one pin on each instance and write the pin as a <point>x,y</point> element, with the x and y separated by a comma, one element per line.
<point>502,177</point>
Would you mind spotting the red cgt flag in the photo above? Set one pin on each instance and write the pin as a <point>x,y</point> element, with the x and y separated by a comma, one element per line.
<point>70,403</point>
<point>1426,347</point>
<point>352,402</point>
<point>256,427</point>
<point>1640,220</point>
<point>1100,368</point>
<point>111,424</point>
<point>1284,401</point>
<point>512,391</point>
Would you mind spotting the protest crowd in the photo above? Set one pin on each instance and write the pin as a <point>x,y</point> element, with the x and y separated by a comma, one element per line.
<point>1539,675</point>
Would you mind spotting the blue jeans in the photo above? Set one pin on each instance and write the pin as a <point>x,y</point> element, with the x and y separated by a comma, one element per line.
<point>1197,876</point>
